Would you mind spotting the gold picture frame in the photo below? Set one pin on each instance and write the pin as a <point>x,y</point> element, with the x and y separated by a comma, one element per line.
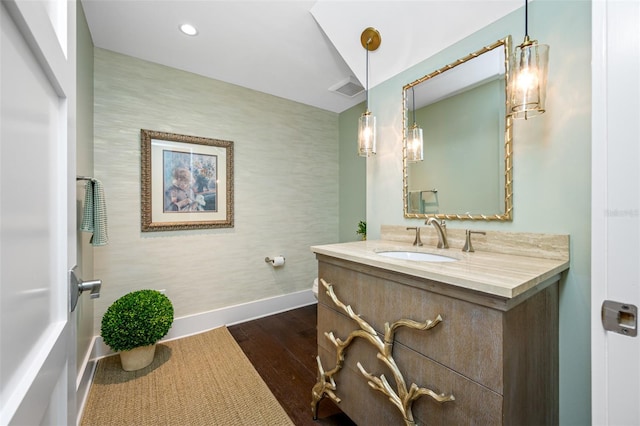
<point>186,182</point>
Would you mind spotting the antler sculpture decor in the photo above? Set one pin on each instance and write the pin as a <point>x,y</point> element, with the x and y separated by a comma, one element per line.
<point>402,397</point>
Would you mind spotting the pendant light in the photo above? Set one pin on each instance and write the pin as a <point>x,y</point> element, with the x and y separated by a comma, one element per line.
<point>529,75</point>
<point>414,138</point>
<point>370,40</point>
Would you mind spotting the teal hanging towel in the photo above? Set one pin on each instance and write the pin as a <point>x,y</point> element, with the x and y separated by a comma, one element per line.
<point>94,218</point>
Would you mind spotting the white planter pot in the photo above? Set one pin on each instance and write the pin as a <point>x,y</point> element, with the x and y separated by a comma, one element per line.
<point>137,358</point>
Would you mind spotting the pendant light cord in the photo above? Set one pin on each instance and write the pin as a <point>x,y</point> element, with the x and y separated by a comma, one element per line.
<point>526,18</point>
<point>367,76</point>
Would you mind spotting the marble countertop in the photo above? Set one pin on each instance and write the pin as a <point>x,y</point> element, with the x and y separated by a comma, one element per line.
<point>498,274</point>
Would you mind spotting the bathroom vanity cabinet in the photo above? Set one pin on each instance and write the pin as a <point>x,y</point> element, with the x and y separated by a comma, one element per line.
<point>497,355</point>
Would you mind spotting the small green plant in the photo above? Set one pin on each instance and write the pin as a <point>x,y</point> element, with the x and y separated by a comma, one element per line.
<point>362,229</point>
<point>139,318</point>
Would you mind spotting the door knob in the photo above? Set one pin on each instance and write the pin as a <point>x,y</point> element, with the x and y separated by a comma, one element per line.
<point>93,286</point>
<point>77,286</point>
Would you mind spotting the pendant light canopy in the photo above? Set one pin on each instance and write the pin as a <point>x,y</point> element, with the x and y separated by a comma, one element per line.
<point>370,40</point>
<point>414,138</point>
<point>529,76</point>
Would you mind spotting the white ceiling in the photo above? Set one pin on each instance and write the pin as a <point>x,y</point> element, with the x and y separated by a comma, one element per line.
<point>294,49</point>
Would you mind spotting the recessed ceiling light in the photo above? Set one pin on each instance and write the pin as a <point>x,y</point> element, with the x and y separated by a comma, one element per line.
<point>188,29</point>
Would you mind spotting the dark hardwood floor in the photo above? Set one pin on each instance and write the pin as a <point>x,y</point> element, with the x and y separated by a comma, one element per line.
<point>283,350</point>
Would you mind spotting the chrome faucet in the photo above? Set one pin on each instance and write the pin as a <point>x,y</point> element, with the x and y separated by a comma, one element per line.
<point>441,229</point>
<point>417,241</point>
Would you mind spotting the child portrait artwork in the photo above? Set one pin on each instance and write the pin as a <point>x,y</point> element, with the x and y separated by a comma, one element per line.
<point>186,182</point>
<point>190,182</point>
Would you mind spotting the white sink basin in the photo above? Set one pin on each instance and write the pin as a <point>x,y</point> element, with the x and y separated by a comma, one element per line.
<point>417,256</point>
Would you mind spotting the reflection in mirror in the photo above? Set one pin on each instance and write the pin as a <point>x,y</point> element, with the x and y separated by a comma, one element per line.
<point>466,171</point>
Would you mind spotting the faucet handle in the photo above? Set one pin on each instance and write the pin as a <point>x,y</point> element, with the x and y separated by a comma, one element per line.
<point>467,244</point>
<point>417,241</point>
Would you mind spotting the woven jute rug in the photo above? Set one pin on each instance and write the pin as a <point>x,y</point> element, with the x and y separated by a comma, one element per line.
<point>203,379</point>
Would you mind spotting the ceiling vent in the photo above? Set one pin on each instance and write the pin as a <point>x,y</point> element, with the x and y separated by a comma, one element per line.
<point>349,87</point>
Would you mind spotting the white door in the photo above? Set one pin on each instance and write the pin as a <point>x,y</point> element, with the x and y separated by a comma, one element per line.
<point>37,218</point>
<point>615,215</point>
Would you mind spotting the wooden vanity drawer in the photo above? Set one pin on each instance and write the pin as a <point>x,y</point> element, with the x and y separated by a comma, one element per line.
<point>473,405</point>
<point>469,339</point>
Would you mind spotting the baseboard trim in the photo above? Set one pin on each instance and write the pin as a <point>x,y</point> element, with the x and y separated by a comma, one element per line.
<point>198,323</point>
<point>83,384</point>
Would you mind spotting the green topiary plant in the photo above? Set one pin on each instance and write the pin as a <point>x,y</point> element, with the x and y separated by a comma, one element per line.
<point>139,318</point>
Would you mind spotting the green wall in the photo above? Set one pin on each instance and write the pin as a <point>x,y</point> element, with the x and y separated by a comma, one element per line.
<point>285,187</point>
<point>551,171</point>
<point>352,179</point>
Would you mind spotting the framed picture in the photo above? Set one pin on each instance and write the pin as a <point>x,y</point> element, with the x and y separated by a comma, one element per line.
<point>186,182</point>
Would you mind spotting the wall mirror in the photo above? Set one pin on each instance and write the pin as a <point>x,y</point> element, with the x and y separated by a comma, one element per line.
<point>461,107</point>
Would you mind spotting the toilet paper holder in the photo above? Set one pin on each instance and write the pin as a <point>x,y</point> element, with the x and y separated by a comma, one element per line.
<point>270,260</point>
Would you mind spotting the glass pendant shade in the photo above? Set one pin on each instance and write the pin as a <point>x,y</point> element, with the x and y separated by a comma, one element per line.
<point>367,134</point>
<point>528,86</point>
<point>415,144</point>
